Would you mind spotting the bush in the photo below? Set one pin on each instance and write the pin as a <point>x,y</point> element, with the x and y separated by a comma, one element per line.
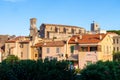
<point>116,56</point>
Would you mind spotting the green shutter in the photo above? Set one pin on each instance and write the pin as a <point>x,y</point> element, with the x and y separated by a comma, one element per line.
<point>72,49</point>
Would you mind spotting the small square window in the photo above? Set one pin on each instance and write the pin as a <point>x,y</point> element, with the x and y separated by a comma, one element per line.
<point>48,50</point>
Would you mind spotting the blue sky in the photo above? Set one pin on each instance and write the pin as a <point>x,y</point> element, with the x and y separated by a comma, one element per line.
<point>15,14</point>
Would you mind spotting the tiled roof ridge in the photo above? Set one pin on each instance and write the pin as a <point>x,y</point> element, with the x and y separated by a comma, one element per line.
<point>61,25</point>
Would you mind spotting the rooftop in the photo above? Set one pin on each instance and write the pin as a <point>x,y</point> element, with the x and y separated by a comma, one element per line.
<point>60,25</point>
<point>50,44</point>
<point>86,38</point>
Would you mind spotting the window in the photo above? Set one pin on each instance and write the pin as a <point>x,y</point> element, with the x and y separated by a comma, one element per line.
<point>51,28</point>
<point>21,54</point>
<point>79,31</point>
<point>117,41</point>
<point>93,48</point>
<point>35,55</point>
<point>48,50</point>
<point>21,45</point>
<point>72,31</point>
<point>72,49</point>
<point>114,48</point>
<point>57,50</point>
<point>117,48</point>
<point>64,30</point>
<point>113,41</point>
<point>84,48</point>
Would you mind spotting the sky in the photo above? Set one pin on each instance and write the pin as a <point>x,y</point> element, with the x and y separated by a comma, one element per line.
<point>15,14</point>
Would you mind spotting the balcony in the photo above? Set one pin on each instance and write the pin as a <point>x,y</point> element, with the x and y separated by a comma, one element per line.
<point>96,48</point>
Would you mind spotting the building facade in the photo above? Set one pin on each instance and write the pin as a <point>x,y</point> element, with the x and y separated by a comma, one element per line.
<point>90,48</point>
<point>18,46</point>
<point>50,50</point>
<point>116,43</point>
<point>59,31</point>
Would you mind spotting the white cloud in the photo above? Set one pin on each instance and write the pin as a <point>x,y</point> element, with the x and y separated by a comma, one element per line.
<point>13,0</point>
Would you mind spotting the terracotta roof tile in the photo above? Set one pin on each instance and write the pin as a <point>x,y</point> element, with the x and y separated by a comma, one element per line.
<point>12,40</point>
<point>51,44</point>
<point>87,38</point>
<point>25,41</point>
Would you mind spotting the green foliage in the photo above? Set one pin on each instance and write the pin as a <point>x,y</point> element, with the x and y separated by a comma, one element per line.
<point>101,71</point>
<point>36,70</point>
<point>11,59</point>
<point>116,56</point>
<point>77,70</point>
<point>115,31</point>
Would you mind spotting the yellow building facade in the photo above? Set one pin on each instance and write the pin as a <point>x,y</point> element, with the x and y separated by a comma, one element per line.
<point>90,48</point>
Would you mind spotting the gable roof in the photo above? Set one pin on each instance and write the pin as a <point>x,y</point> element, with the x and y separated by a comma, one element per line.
<point>86,38</point>
<point>50,44</point>
<point>13,40</point>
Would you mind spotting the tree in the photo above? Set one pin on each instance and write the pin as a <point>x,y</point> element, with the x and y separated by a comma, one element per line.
<point>35,70</point>
<point>116,56</point>
<point>101,71</point>
<point>11,59</point>
<point>115,31</point>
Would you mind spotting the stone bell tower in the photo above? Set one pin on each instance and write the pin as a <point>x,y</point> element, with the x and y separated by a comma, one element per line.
<point>33,27</point>
<point>94,26</point>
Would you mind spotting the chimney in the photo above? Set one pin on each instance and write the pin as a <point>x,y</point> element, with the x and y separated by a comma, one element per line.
<point>80,36</point>
<point>100,36</point>
<point>76,39</point>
